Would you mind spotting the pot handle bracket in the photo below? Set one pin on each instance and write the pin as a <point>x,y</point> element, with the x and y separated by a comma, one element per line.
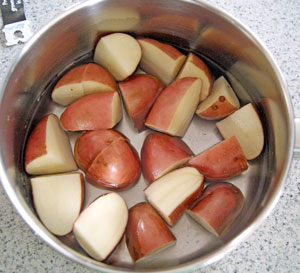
<point>16,28</point>
<point>297,137</point>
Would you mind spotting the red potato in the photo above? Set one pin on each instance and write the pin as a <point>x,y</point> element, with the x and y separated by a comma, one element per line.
<point>116,167</point>
<point>119,53</point>
<point>160,59</point>
<point>100,227</point>
<point>219,205</point>
<point>48,149</point>
<point>83,80</point>
<point>58,200</point>
<point>91,143</point>
<point>93,112</point>
<point>171,194</point>
<point>222,161</point>
<point>221,102</point>
<point>139,93</point>
<point>97,79</point>
<point>195,67</point>
<point>161,154</point>
<point>246,126</point>
<point>146,233</point>
<point>174,108</point>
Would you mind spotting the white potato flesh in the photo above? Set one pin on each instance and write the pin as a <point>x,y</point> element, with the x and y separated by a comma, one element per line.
<point>100,227</point>
<point>68,93</point>
<point>59,157</point>
<point>116,109</point>
<point>57,200</point>
<point>220,88</point>
<point>119,53</point>
<point>92,87</point>
<point>185,110</point>
<point>168,192</point>
<point>189,69</point>
<point>158,63</point>
<point>246,126</point>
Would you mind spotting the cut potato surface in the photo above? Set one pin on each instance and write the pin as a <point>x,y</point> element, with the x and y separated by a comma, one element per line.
<point>171,194</point>
<point>246,126</point>
<point>221,102</point>
<point>100,227</point>
<point>48,149</point>
<point>174,109</point>
<point>58,200</point>
<point>195,67</point>
<point>82,80</point>
<point>119,53</point>
<point>160,59</point>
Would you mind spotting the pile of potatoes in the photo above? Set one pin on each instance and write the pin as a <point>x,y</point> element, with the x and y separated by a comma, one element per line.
<point>161,89</point>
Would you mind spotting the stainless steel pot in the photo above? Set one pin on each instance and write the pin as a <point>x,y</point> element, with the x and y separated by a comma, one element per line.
<point>227,46</point>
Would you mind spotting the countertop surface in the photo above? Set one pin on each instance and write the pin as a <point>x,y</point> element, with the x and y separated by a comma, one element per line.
<point>275,245</point>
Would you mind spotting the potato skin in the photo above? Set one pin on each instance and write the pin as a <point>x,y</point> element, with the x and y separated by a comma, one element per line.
<point>219,109</point>
<point>160,152</point>
<point>139,93</point>
<point>222,161</point>
<point>116,167</point>
<point>91,112</point>
<point>36,144</point>
<point>146,231</point>
<point>218,206</point>
<point>91,143</point>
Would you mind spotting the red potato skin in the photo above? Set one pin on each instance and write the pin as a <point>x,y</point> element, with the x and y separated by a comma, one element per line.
<point>168,49</point>
<point>166,104</point>
<point>82,195</point>
<point>146,231</point>
<point>222,161</point>
<point>92,112</point>
<point>139,93</point>
<point>82,191</point>
<point>220,109</point>
<point>92,73</point>
<point>176,214</point>
<point>116,167</point>
<point>91,143</point>
<point>36,144</point>
<point>219,205</point>
<point>159,152</point>
<point>87,72</point>
<point>75,75</point>
<point>199,63</point>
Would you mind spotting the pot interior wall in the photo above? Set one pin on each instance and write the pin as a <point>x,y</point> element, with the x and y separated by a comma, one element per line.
<point>189,26</point>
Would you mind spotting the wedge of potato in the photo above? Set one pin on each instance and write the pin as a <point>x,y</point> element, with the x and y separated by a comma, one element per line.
<point>93,112</point>
<point>218,206</point>
<point>220,103</point>
<point>222,161</point>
